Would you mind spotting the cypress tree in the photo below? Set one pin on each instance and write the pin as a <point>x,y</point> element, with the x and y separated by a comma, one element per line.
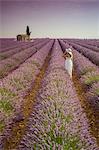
<point>27,30</point>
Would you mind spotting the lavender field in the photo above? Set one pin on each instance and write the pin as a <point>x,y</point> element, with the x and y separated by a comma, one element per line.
<point>41,107</point>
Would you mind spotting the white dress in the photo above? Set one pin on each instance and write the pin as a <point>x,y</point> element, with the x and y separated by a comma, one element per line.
<point>69,65</point>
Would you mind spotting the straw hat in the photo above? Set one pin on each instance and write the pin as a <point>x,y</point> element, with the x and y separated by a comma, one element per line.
<point>69,51</point>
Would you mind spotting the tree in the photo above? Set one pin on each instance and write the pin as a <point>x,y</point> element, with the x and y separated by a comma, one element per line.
<point>27,31</point>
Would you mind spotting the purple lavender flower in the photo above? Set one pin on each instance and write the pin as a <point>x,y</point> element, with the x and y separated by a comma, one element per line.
<point>57,120</point>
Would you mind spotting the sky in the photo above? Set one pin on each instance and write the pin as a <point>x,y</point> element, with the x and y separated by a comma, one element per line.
<point>50,18</point>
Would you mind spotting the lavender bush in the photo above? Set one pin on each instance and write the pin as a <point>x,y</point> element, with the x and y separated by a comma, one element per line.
<point>93,96</point>
<point>5,43</point>
<point>93,43</point>
<point>84,44</point>
<point>14,61</point>
<point>57,122</point>
<point>13,51</point>
<point>13,44</point>
<point>92,55</point>
<point>90,47</point>
<point>89,77</point>
<point>81,63</point>
<point>15,86</point>
<point>9,44</point>
<point>87,71</point>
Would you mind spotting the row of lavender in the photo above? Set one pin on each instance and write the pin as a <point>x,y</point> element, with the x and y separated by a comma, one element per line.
<point>6,45</point>
<point>91,42</point>
<point>84,44</point>
<point>11,63</point>
<point>13,50</point>
<point>5,42</point>
<point>91,55</point>
<point>57,121</point>
<point>87,71</point>
<point>16,44</point>
<point>21,47</point>
<point>89,77</point>
<point>16,85</point>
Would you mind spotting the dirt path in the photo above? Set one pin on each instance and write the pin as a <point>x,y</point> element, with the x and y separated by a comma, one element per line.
<point>18,129</point>
<point>88,109</point>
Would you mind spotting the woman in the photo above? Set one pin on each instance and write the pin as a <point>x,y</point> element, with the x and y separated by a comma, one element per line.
<point>68,61</point>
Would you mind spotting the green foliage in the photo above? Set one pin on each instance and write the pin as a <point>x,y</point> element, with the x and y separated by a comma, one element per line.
<point>18,83</point>
<point>73,143</point>
<point>96,91</point>
<point>68,118</point>
<point>2,125</point>
<point>6,93</point>
<point>92,79</point>
<point>6,106</point>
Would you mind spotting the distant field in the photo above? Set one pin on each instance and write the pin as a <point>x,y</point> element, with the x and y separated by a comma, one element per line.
<point>41,108</point>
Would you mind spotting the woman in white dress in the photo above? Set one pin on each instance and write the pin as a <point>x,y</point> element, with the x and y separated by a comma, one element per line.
<point>68,61</point>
